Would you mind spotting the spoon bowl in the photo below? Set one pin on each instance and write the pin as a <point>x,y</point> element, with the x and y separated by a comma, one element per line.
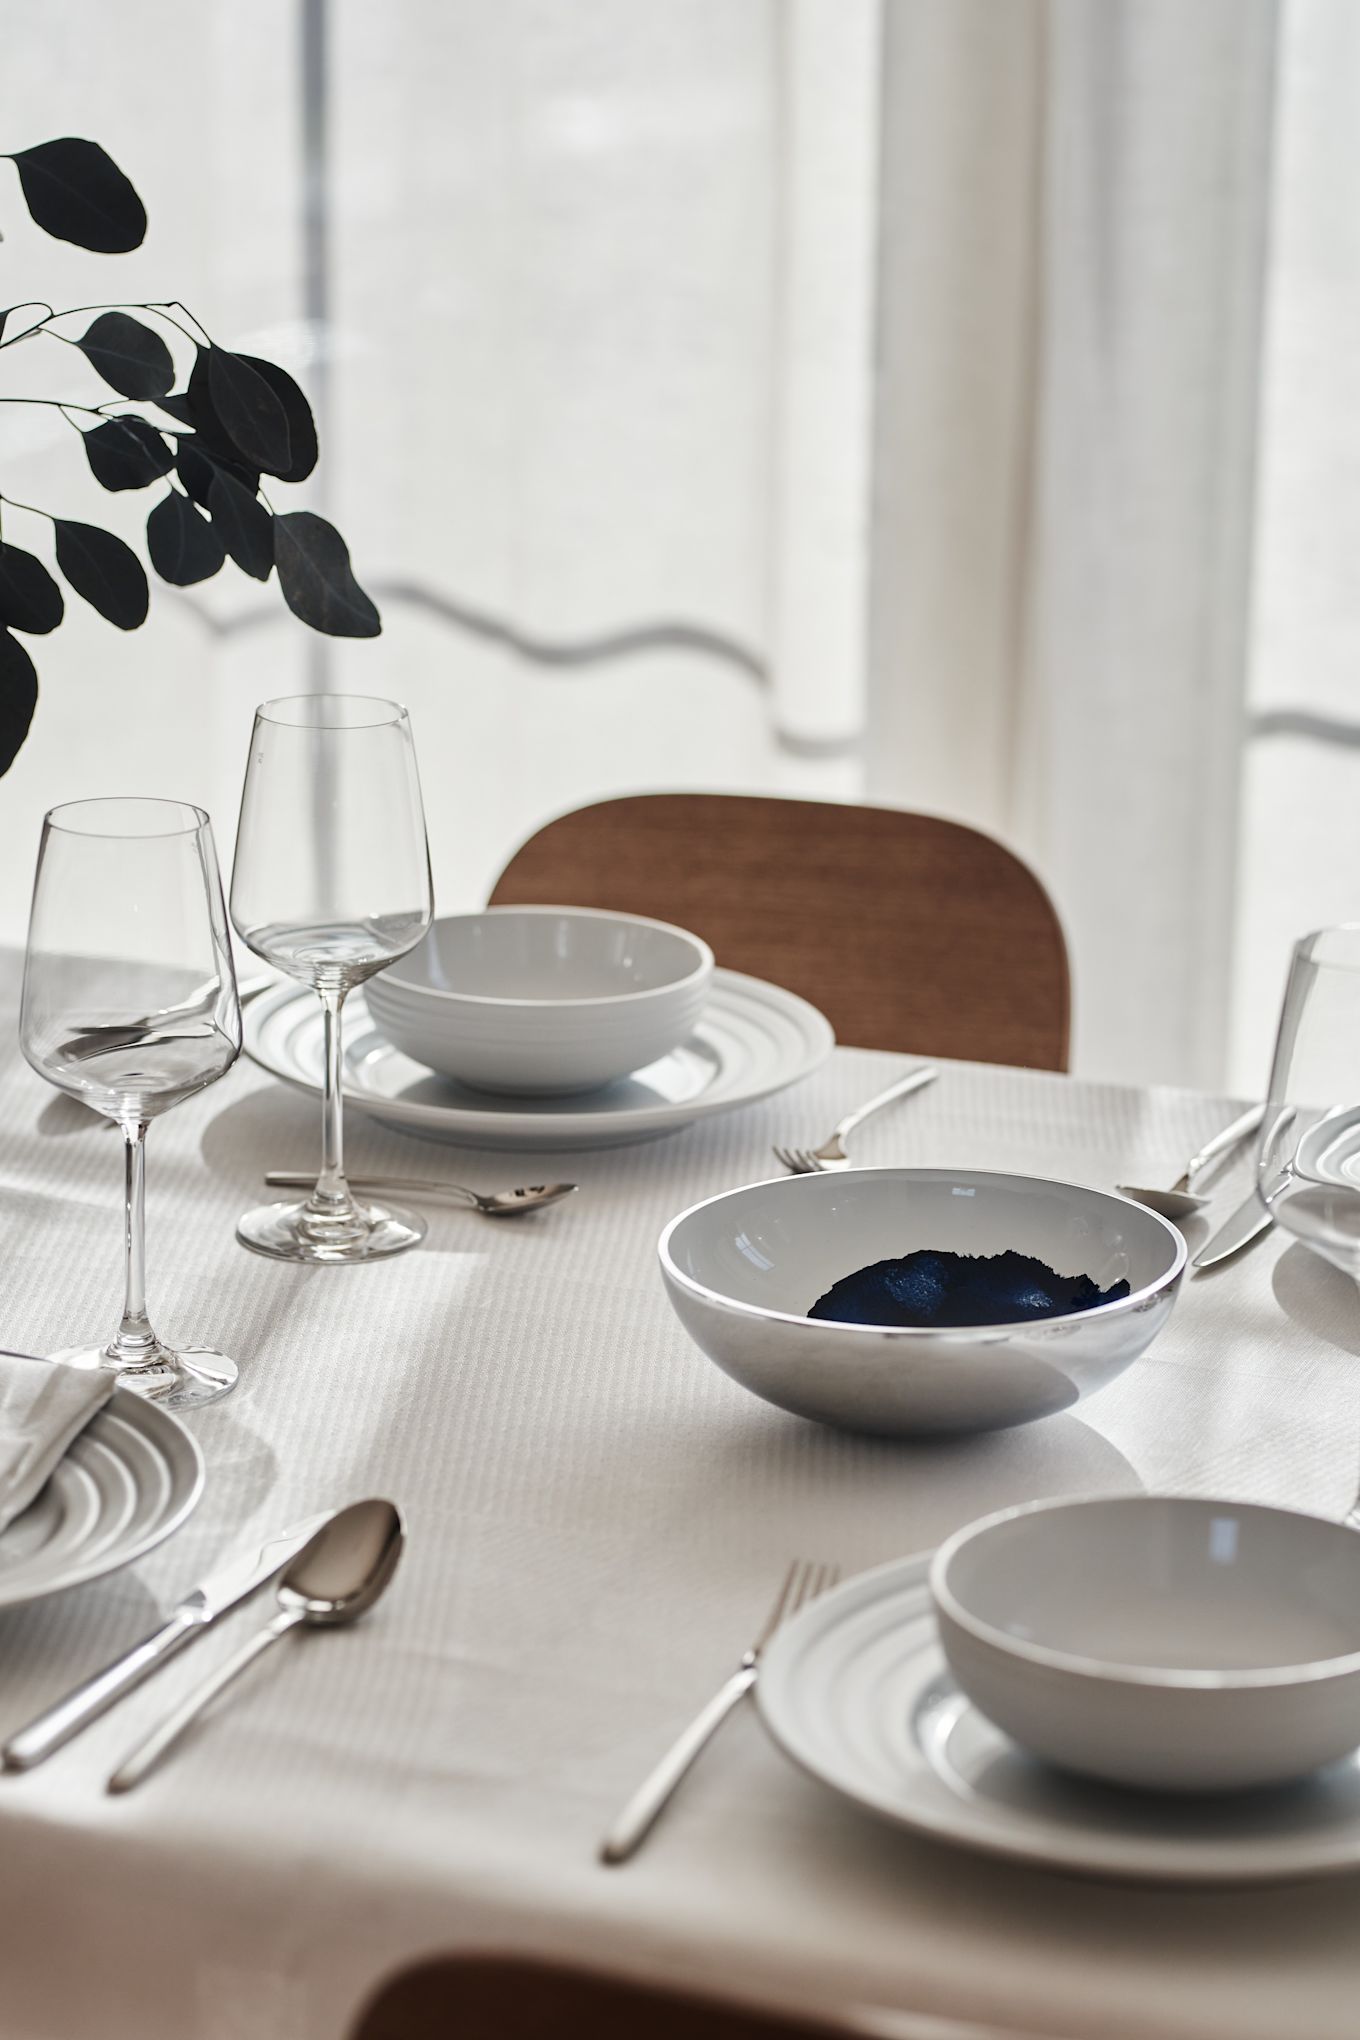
<point>340,1574</point>
<point>1170,1204</point>
<point>1179,1200</point>
<point>531,1197</point>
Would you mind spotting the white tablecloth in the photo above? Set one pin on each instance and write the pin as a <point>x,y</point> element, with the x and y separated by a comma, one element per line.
<point>597,1519</point>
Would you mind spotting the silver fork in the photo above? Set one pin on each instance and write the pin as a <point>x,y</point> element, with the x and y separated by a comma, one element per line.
<point>803,1581</point>
<point>831,1154</point>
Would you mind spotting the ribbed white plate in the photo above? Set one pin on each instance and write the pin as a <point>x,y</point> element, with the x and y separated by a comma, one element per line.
<point>753,1039</point>
<point>128,1481</point>
<point>855,1690</point>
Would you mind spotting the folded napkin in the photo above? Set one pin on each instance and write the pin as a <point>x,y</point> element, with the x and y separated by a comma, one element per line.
<point>43,1406</point>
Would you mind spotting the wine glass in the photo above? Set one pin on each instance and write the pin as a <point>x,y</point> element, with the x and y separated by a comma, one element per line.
<point>1309,1170</point>
<point>130,1005</point>
<point>331,883</point>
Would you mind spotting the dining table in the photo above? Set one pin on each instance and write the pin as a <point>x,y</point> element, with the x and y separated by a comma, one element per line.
<point>597,1519</point>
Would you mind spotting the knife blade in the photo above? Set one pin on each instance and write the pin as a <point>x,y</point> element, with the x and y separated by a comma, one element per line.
<point>1247,1223</point>
<point>230,1584</point>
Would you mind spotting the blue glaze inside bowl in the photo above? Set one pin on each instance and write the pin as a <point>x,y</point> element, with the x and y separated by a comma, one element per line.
<point>934,1287</point>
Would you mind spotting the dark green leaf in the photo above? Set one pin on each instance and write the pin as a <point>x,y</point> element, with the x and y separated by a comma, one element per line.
<point>104,570</point>
<point>301,425</point>
<point>213,437</point>
<point>127,453</point>
<point>131,358</point>
<point>18,697</point>
<point>315,575</point>
<point>183,546</point>
<point>29,598</point>
<point>178,406</point>
<point>194,469</point>
<point>251,415</point>
<point>246,527</point>
<point>77,192</point>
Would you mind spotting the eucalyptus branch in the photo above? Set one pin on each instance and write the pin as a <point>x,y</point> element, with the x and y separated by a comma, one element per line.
<point>237,420</point>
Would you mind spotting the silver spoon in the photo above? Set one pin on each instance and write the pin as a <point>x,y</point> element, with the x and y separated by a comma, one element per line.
<point>498,1204</point>
<point>1179,1201</point>
<point>335,1578</point>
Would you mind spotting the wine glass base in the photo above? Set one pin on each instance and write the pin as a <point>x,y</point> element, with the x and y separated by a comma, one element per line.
<point>288,1232</point>
<point>182,1380</point>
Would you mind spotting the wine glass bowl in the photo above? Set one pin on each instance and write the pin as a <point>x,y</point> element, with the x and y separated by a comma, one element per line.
<point>1309,1166</point>
<point>331,883</point>
<point>130,1005</point>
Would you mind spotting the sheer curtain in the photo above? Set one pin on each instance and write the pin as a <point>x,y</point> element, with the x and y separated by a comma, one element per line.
<point>581,290</point>
<point>1073,251</point>
<point>1300,827</point>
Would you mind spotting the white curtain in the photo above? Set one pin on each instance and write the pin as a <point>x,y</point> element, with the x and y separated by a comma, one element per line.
<point>1073,248</point>
<point>582,291</point>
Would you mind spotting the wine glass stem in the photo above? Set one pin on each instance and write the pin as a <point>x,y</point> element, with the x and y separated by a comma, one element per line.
<point>135,1344</point>
<point>331,1195</point>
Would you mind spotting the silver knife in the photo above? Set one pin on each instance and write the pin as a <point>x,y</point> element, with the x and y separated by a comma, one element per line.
<point>1247,1223</point>
<point>231,1583</point>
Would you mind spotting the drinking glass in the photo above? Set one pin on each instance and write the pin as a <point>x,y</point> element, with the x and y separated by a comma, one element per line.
<point>130,1005</point>
<point>1309,1171</point>
<point>331,882</point>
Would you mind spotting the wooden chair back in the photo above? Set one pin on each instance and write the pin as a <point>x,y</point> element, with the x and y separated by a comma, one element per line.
<point>908,932</point>
<point>495,1997</point>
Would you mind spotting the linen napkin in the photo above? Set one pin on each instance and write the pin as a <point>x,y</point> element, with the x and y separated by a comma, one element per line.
<point>44,1405</point>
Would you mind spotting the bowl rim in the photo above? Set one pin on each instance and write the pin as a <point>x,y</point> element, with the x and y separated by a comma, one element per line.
<point>1106,1671</point>
<point>694,978</point>
<point>956,1334</point>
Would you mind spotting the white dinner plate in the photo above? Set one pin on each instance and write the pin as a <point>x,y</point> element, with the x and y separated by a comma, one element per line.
<point>127,1482</point>
<point>753,1039</point>
<point>855,1690</point>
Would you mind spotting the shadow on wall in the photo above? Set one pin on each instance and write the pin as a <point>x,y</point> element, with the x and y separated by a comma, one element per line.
<point>604,646</point>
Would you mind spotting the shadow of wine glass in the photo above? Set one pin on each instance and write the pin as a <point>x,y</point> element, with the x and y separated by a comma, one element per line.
<point>241,1469</point>
<point>62,1115</point>
<point>1319,1297</point>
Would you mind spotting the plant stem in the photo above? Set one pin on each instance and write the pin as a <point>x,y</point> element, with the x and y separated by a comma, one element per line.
<point>58,404</point>
<point>32,508</point>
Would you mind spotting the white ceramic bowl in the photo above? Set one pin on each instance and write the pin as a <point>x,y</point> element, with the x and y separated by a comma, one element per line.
<point>1159,1641</point>
<point>743,1269</point>
<point>543,999</point>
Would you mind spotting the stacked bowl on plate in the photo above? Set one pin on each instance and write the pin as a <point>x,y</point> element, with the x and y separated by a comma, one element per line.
<point>543,1001</point>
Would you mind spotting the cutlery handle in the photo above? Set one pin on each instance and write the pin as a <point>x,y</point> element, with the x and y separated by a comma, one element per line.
<point>54,1728</point>
<point>1236,1130</point>
<point>289,1179</point>
<point>145,1755</point>
<point>635,1821</point>
<point>915,1080</point>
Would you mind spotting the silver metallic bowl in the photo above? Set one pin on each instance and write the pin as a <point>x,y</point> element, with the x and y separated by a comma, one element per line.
<point>743,1269</point>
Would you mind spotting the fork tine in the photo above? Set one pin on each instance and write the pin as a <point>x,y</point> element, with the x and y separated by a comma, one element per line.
<point>788,1157</point>
<point>803,1161</point>
<point>819,1581</point>
<point>784,1599</point>
<point>803,1582</point>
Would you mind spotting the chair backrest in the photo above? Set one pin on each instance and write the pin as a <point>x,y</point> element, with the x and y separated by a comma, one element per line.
<point>505,1997</point>
<point>907,931</point>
